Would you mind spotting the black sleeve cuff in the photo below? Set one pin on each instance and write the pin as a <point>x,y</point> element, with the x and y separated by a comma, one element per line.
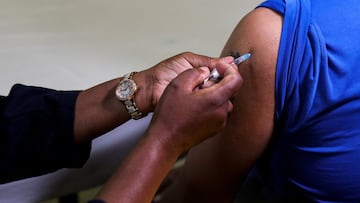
<point>36,133</point>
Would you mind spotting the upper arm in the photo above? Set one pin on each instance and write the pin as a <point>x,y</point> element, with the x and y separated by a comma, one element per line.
<point>251,123</point>
<point>217,164</point>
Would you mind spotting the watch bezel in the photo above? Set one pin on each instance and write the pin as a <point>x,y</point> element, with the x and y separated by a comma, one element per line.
<point>119,92</point>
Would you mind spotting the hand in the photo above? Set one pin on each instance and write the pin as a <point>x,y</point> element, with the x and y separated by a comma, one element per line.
<point>186,115</point>
<point>157,78</point>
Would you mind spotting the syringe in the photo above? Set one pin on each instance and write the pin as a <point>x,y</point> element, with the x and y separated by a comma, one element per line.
<point>215,75</point>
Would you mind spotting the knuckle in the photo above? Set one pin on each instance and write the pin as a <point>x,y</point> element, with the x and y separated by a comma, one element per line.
<point>187,54</point>
<point>174,85</point>
<point>216,102</point>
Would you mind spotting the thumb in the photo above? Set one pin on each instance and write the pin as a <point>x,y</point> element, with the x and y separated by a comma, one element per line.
<point>192,78</point>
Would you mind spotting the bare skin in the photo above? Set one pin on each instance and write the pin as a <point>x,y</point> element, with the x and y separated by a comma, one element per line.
<point>99,111</point>
<point>229,156</point>
<point>184,116</point>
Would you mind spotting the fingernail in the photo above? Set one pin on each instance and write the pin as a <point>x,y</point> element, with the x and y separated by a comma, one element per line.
<point>204,69</point>
<point>228,59</point>
<point>235,66</point>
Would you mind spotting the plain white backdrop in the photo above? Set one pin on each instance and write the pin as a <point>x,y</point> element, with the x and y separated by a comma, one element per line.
<point>74,44</point>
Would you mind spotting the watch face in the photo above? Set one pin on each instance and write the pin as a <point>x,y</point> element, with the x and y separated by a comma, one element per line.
<point>125,90</point>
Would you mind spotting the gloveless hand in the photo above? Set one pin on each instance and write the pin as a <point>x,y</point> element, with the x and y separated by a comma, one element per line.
<point>159,76</point>
<point>186,115</point>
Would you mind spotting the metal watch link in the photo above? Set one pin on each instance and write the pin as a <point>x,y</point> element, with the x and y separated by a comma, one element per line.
<point>125,92</point>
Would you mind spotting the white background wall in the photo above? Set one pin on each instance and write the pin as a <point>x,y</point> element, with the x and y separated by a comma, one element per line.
<point>73,44</point>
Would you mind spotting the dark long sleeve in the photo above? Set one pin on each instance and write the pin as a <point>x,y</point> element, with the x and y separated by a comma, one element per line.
<point>36,133</point>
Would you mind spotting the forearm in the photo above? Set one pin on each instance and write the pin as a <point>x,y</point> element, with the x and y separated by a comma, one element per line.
<point>98,110</point>
<point>141,173</point>
<point>203,178</point>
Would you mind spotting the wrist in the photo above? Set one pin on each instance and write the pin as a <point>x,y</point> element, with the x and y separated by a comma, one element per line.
<point>164,139</point>
<point>143,96</point>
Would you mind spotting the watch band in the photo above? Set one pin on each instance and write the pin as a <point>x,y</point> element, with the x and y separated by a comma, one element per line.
<point>132,109</point>
<point>130,104</point>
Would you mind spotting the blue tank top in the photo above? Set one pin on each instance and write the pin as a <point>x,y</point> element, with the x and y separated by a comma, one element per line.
<point>316,150</point>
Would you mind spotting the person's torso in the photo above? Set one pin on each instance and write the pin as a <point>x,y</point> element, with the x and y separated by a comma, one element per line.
<point>317,145</point>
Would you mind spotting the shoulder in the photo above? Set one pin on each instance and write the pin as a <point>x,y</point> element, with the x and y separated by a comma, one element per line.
<point>258,33</point>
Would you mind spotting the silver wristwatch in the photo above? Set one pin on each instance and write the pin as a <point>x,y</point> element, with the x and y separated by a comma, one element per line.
<point>125,92</point>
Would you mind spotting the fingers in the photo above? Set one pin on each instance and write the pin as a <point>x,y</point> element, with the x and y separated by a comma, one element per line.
<point>197,60</point>
<point>230,83</point>
<point>191,78</point>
